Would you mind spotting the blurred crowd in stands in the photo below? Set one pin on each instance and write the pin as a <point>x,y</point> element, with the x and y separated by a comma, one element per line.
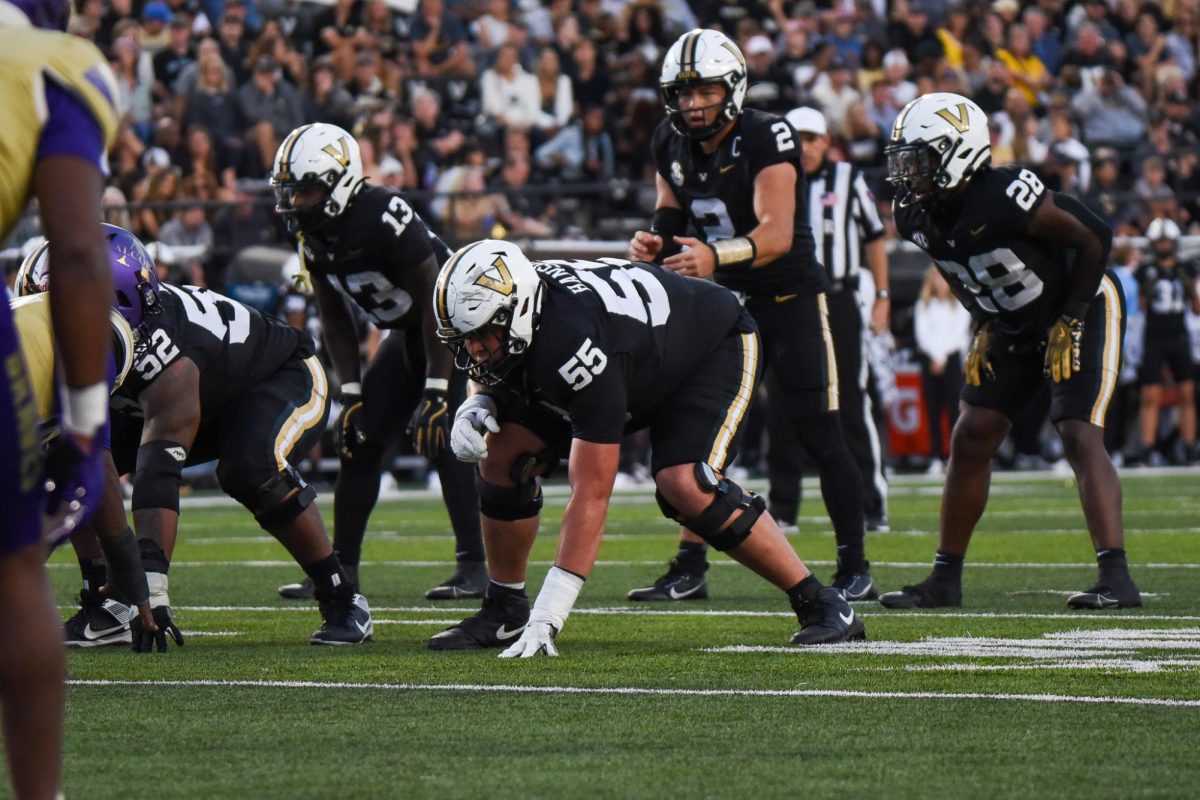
<point>533,118</point>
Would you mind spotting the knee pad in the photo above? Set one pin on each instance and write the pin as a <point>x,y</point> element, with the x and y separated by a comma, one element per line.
<point>508,503</point>
<point>526,468</point>
<point>728,497</point>
<point>281,499</point>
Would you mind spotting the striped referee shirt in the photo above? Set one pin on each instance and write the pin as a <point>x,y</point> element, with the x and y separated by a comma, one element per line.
<point>843,216</point>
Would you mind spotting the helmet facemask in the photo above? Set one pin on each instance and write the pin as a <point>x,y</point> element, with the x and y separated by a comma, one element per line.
<point>914,169</point>
<point>496,351</point>
<point>727,111</point>
<point>302,203</point>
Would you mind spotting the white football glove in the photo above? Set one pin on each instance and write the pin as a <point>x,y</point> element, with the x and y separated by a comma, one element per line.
<point>536,640</point>
<point>550,611</point>
<point>476,415</point>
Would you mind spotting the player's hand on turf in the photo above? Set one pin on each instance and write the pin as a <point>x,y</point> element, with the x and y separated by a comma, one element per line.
<point>536,640</point>
<point>979,365</point>
<point>146,638</point>
<point>429,427</point>
<point>1062,348</point>
<point>475,417</point>
<point>348,434</point>
<point>696,261</point>
<point>644,246</point>
<point>74,478</point>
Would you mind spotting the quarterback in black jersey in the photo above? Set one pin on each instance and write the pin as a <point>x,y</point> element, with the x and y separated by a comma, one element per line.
<point>366,243</point>
<point>215,380</point>
<point>1029,264</point>
<point>576,354</point>
<point>734,178</point>
<point>1168,289</point>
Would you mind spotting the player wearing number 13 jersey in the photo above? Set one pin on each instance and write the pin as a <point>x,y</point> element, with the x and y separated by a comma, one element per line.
<point>1029,264</point>
<point>367,244</point>
<point>734,177</point>
<point>578,353</point>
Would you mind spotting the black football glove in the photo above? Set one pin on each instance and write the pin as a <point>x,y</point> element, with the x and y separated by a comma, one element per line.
<point>429,427</point>
<point>144,640</point>
<point>348,434</point>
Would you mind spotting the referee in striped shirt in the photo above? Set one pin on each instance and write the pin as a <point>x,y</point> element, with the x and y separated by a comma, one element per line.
<point>847,230</point>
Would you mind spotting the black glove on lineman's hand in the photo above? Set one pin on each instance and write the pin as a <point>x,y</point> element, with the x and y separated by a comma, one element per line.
<point>348,434</point>
<point>429,427</point>
<point>144,640</point>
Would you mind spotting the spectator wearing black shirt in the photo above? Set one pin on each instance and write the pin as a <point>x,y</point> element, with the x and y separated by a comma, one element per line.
<point>172,60</point>
<point>589,79</point>
<point>235,46</point>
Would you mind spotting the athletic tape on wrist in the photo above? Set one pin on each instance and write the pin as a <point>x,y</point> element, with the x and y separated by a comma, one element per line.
<point>558,595</point>
<point>437,384</point>
<point>351,388</point>
<point>84,410</point>
<point>734,252</point>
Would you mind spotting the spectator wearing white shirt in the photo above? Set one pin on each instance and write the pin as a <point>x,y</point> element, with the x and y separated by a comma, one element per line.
<point>511,95</point>
<point>943,332</point>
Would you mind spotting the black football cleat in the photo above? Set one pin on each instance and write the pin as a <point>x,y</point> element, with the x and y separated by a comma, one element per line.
<point>297,591</point>
<point>829,620</point>
<point>679,583</point>
<point>98,622</point>
<point>855,586</point>
<point>498,623</point>
<point>929,593</point>
<point>344,620</point>
<point>469,580</point>
<point>1104,596</point>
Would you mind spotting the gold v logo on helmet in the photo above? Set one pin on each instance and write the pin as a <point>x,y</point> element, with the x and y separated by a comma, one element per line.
<point>341,153</point>
<point>505,285</point>
<point>960,120</point>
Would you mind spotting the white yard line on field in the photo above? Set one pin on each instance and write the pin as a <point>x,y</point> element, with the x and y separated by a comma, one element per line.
<point>618,611</point>
<point>658,563</point>
<point>640,691</point>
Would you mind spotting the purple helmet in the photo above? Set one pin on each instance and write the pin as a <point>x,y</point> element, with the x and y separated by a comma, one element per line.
<point>49,14</point>
<point>135,277</point>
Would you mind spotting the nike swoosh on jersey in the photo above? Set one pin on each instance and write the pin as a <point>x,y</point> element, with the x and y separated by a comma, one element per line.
<point>979,230</point>
<point>727,168</point>
<point>783,298</point>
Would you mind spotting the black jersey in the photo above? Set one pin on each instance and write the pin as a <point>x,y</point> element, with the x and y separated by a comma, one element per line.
<point>987,256</point>
<point>615,339</point>
<point>717,192</point>
<point>233,346</point>
<point>1168,292</point>
<point>365,253</point>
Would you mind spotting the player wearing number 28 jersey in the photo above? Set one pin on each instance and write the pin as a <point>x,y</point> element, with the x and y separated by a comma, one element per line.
<point>1029,264</point>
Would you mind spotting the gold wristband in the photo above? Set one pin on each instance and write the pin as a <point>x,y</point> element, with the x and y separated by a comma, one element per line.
<point>734,252</point>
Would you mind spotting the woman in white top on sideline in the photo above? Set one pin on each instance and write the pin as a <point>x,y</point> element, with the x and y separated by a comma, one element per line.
<point>943,332</point>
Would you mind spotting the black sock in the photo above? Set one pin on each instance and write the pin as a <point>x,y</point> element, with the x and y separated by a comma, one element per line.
<point>947,567</point>
<point>462,503</point>
<point>354,497</point>
<point>850,558</point>
<point>693,556</point>
<point>499,590</point>
<point>94,572</point>
<point>328,577</point>
<point>1113,563</point>
<point>802,595</point>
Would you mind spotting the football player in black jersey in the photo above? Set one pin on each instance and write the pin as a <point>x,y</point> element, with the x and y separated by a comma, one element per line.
<point>1029,264</point>
<point>367,244</point>
<point>735,179</point>
<point>213,380</point>
<point>576,354</point>
<point>1168,288</point>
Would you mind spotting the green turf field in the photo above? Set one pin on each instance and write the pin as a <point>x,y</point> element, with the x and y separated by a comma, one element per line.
<point>1010,696</point>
